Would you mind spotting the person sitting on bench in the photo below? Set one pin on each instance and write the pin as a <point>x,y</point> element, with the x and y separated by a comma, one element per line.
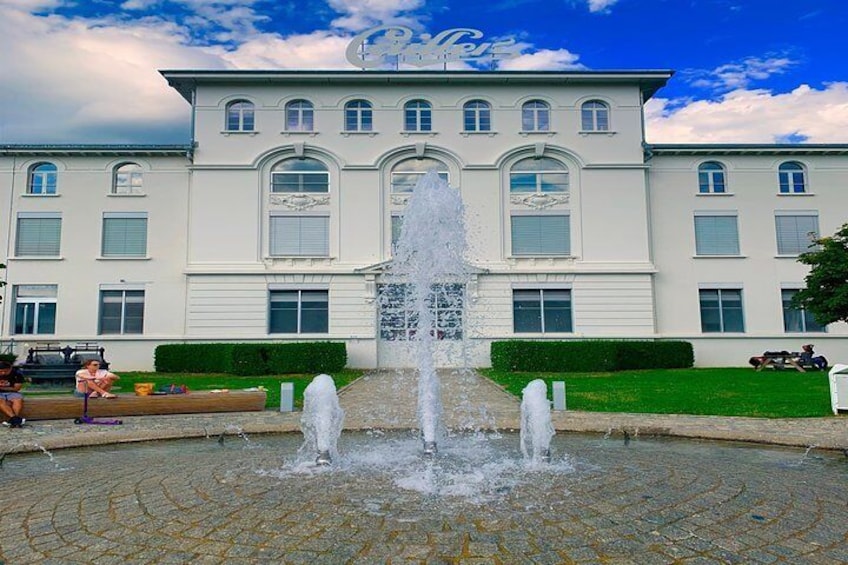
<point>11,399</point>
<point>809,358</point>
<point>95,381</point>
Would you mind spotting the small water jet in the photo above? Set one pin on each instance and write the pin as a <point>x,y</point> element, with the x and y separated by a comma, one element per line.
<point>536,426</point>
<point>429,265</point>
<point>322,419</point>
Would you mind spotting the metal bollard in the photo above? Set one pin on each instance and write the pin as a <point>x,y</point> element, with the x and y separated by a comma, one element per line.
<point>559,395</point>
<point>286,397</point>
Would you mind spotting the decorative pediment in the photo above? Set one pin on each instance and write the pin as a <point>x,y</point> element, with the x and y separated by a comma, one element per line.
<point>299,201</point>
<point>539,201</point>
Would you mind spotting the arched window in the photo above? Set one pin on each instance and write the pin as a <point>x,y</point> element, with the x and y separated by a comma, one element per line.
<point>594,116</point>
<point>538,175</point>
<point>300,175</point>
<point>407,173</point>
<point>358,116</point>
<point>477,116</point>
<point>792,178</point>
<point>240,116</point>
<point>535,116</point>
<point>299,116</point>
<point>417,116</point>
<point>711,178</point>
<point>127,179</point>
<point>42,179</point>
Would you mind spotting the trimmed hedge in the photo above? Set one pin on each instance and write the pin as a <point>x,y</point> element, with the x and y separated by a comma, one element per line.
<point>251,359</point>
<point>590,356</point>
<point>8,357</point>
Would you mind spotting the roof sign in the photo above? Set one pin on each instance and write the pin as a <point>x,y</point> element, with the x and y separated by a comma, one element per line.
<point>383,45</point>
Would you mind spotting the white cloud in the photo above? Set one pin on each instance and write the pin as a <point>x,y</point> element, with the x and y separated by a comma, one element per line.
<point>543,59</point>
<point>362,14</point>
<point>317,50</point>
<point>753,116</point>
<point>740,74</point>
<point>601,5</point>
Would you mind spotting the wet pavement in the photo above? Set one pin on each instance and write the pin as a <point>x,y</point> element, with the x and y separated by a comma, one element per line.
<point>236,496</point>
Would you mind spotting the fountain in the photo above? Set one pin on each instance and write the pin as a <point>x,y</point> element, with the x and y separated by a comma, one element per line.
<point>322,419</point>
<point>428,260</point>
<point>536,427</point>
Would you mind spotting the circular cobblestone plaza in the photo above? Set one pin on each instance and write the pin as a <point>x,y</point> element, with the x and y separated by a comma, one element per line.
<point>257,500</point>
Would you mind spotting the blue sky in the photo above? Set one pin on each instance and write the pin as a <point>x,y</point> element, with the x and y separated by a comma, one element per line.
<point>758,71</point>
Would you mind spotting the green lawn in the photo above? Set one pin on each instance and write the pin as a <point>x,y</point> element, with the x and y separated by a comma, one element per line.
<point>220,381</point>
<point>719,392</point>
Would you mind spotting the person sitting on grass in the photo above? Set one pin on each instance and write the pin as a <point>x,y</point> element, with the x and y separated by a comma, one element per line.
<point>11,399</point>
<point>95,381</point>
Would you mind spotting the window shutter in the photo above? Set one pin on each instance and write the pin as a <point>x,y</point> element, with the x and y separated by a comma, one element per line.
<point>305,236</point>
<point>716,235</point>
<point>541,235</point>
<point>124,237</point>
<point>38,236</point>
<point>793,233</point>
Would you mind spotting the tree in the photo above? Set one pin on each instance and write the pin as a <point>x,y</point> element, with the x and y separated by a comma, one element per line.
<point>826,294</point>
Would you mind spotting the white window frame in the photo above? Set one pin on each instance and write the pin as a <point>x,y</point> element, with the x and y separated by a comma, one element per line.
<point>722,288</point>
<point>541,290</point>
<point>534,214</point>
<point>784,170</point>
<point>48,180</point>
<point>414,113</point>
<point>710,175</point>
<point>324,172</point>
<point>531,112</point>
<point>593,109</point>
<point>123,289</point>
<point>35,302</point>
<point>123,216</point>
<point>358,110</point>
<point>272,252</point>
<point>795,214</point>
<point>299,290</point>
<point>478,114</point>
<point>717,214</point>
<point>803,313</point>
<point>300,116</point>
<point>539,177</point>
<point>134,183</point>
<point>38,216</point>
<point>240,109</point>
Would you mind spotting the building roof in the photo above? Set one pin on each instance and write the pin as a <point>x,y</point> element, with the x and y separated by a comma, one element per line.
<point>98,149</point>
<point>186,81</point>
<point>746,148</point>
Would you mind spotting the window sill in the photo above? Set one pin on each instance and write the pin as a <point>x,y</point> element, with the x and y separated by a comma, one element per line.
<point>422,133</point>
<point>526,133</point>
<point>238,132</point>
<point>540,257</point>
<point>708,194</point>
<point>586,132</point>
<point>787,256</point>
<point>795,194</point>
<point>36,195</point>
<point>127,195</point>
<point>123,258</point>
<point>719,256</point>
<point>288,133</point>
<point>473,133</point>
<point>347,133</point>
<point>36,258</point>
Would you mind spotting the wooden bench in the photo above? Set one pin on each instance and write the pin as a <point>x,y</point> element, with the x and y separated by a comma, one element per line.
<point>69,406</point>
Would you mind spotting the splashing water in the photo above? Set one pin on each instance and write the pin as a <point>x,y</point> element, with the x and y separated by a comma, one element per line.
<point>536,426</point>
<point>322,419</point>
<point>429,265</point>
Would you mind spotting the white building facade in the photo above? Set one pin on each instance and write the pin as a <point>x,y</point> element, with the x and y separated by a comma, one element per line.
<point>277,222</point>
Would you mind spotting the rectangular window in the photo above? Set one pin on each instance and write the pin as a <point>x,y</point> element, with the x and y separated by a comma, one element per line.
<point>305,236</point>
<point>796,233</point>
<point>399,317</point>
<point>35,309</point>
<point>121,312</point>
<point>405,182</point>
<point>716,235</point>
<point>38,234</point>
<point>795,319</point>
<point>299,312</point>
<point>300,182</point>
<point>541,235</point>
<point>541,311</point>
<point>721,310</point>
<point>124,234</point>
<point>397,227</point>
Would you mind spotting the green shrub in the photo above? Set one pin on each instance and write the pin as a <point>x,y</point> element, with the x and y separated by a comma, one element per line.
<point>590,355</point>
<point>194,358</point>
<point>251,359</point>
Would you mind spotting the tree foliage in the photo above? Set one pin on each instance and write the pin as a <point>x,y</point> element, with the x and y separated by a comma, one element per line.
<point>826,293</point>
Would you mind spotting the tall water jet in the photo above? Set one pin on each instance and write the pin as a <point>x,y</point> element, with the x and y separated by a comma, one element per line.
<point>536,426</point>
<point>429,266</point>
<point>322,419</point>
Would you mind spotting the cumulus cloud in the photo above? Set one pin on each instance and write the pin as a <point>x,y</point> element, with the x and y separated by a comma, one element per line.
<point>543,59</point>
<point>740,74</point>
<point>358,15</point>
<point>596,6</point>
<point>752,116</point>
